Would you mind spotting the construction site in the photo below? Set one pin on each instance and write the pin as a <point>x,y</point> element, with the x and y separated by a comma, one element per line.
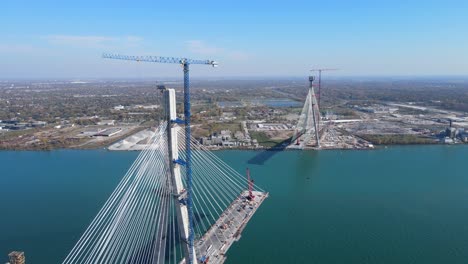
<point>363,127</point>
<point>202,205</point>
<point>229,226</point>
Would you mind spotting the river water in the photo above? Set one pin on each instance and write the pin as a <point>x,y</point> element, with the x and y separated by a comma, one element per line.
<point>391,205</point>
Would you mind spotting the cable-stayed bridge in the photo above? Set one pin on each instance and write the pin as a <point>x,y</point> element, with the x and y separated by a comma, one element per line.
<point>308,126</point>
<point>152,215</point>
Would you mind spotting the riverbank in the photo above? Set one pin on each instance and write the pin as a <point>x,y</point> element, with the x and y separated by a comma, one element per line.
<point>135,138</point>
<point>71,137</point>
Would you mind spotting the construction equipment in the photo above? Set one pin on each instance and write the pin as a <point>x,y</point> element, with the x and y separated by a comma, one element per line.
<point>17,257</point>
<point>188,162</point>
<point>250,182</point>
<point>320,82</point>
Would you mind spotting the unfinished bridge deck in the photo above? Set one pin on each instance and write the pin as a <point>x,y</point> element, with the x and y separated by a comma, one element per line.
<point>229,227</point>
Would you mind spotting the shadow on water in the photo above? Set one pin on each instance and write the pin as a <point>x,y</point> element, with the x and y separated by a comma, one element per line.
<point>307,165</point>
<point>267,154</point>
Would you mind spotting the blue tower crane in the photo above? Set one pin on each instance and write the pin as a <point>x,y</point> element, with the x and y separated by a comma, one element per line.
<point>188,162</point>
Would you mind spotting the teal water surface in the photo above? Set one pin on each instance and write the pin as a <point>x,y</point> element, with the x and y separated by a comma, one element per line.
<point>392,205</point>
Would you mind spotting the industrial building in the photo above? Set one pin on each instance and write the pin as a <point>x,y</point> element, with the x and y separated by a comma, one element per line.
<point>92,131</point>
<point>109,132</point>
<point>378,109</point>
<point>273,126</point>
<point>106,123</point>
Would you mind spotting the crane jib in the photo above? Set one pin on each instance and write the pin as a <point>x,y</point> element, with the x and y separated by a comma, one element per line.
<point>158,59</point>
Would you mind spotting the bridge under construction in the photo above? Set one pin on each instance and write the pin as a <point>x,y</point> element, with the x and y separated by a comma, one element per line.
<point>308,129</point>
<point>161,213</point>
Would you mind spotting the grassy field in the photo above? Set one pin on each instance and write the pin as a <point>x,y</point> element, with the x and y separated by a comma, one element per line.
<point>397,139</point>
<point>205,130</point>
<point>264,140</point>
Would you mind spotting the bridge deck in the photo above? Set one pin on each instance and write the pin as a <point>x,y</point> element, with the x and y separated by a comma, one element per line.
<point>228,228</point>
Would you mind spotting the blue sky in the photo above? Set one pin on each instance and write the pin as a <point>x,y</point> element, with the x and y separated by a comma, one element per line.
<point>65,39</point>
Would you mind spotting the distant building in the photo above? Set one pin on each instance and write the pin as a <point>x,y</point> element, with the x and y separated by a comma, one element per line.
<point>451,132</point>
<point>17,257</point>
<point>378,109</point>
<point>272,126</point>
<point>228,144</point>
<point>38,124</point>
<point>239,135</point>
<point>216,140</point>
<point>17,126</point>
<point>447,140</point>
<point>150,106</point>
<point>225,135</point>
<point>205,141</point>
<point>92,131</point>
<point>147,107</point>
<point>106,122</point>
<point>255,143</point>
<point>109,132</point>
<point>464,137</point>
<point>12,121</point>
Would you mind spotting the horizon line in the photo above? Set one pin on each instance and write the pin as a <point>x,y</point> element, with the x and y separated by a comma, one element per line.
<point>240,77</point>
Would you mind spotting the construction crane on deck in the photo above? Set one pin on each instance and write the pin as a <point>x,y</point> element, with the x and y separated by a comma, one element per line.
<point>188,156</point>
<point>320,82</point>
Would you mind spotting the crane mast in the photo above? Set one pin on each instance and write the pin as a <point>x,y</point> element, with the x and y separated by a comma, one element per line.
<point>320,82</point>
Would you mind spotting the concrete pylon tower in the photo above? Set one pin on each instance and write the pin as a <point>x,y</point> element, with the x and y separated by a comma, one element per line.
<point>308,124</point>
<point>178,188</point>
<point>315,110</point>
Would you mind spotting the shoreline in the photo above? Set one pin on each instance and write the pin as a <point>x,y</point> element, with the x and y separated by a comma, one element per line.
<point>376,147</point>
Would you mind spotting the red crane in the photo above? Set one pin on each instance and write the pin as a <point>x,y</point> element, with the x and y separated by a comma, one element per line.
<point>250,182</point>
<point>320,82</point>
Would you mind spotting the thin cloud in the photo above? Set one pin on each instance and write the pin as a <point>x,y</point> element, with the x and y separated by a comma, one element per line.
<point>238,55</point>
<point>133,39</point>
<point>92,41</point>
<point>77,40</point>
<point>199,47</point>
<point>18,48</point>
